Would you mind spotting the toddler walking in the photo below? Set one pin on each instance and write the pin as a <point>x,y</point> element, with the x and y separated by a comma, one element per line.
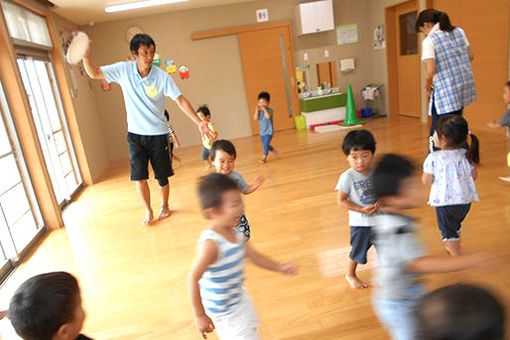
<point>264,114</point>
<point>223,156</point>
<point>355,193</point>
<point>204,114</point>
<point>451,173</point>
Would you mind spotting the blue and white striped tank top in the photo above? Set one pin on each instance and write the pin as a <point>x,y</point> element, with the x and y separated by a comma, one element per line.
<point>221,285</point>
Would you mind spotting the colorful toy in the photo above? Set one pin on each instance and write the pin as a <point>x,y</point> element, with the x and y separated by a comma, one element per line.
<point>184,72</point>
<point>170,66</point>
<point>157,60</point>
<point>351,118</point>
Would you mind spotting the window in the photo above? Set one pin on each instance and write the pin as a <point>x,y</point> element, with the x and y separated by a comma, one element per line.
<point>20,217</point>
<point>408,35</point>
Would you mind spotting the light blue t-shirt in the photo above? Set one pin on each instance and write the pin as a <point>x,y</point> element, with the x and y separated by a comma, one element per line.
<point>266,125</point>
<point>144,97</point>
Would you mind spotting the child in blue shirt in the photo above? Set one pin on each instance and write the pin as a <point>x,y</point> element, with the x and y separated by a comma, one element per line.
<point>264,114</point>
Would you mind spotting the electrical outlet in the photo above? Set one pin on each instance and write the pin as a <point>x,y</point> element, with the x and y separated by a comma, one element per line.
<point>305,56</point>
<point>326,53</point>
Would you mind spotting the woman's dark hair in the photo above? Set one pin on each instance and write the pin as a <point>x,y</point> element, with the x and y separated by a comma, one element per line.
<point>389,173</point>
<point>223,145</point>
<point>460,312</point>
<point>42,304</point>
<point>358,140</point>
<point>455,129</point>
<point>139,40</point>
<point>434,17</point>
<point>211,189</point>
<point>205,110</point>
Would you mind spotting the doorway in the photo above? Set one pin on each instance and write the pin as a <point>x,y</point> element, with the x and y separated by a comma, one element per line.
<point>271,70</point>
<point>404,70</point>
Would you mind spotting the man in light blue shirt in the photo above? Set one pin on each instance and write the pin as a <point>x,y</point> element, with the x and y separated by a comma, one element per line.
<point>145,87</point>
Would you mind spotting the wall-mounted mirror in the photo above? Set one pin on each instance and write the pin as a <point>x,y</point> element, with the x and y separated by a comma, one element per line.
<point>303,78</point>
<point>326,74</point>
<point>310,77</point>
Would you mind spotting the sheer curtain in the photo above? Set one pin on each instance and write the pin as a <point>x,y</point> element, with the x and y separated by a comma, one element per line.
<point>26,25</point>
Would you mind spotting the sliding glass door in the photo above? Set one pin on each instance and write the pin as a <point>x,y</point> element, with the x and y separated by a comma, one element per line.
<point>20,217</point>
<point>47,111</point>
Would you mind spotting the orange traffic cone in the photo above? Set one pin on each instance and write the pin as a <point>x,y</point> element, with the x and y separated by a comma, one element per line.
<point>350,112</point>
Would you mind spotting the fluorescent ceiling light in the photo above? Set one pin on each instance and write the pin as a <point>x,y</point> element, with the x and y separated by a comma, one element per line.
<point>139,4</point>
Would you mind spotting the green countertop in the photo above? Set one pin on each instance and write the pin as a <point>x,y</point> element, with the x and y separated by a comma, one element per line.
<point>324,102</point>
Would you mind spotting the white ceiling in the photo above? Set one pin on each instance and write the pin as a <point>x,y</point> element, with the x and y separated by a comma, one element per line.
<point>82,12</point>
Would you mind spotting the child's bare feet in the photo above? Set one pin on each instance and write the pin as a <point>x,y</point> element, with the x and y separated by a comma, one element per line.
<point>276,153</point>
<point>149,216</point>
<point>355,282</point>
<point>164,212</point>
<point>262,160</point>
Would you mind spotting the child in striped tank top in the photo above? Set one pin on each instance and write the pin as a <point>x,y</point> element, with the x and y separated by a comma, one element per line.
<point>215,283</point>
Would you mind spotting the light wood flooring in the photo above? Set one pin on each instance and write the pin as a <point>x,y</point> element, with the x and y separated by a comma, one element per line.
<point>133,278</point>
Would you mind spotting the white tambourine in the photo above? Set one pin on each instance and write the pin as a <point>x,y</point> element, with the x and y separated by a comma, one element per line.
<point>78,46</point>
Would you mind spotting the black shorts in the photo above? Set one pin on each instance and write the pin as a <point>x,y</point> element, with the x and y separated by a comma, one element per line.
<point>449,219</point>
<point>155,149</point>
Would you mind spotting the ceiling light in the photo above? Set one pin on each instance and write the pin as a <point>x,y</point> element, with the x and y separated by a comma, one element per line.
<point>139,4</point>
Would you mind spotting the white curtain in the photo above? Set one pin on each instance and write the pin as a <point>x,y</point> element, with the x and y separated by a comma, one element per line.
<point>26,25</point>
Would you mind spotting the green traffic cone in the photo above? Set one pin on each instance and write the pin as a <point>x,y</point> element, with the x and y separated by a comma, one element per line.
<point>351,118</point>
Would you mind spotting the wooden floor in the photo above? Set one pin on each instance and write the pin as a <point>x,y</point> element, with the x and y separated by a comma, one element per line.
<point>133,278</point>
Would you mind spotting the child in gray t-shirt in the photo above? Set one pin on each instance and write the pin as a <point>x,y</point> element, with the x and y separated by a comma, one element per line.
<point>355,193</point>
<point>401,260</point>
<point>223,156</point>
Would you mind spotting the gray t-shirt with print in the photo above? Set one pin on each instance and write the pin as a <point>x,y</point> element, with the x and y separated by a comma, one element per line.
<point>239,180</point>
<point>359,188</point>
<point>397,245</point>
<point>505,119</point>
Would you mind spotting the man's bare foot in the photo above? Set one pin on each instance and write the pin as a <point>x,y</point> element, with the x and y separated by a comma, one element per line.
<point>164,212</point>
<point>506,179</point>
<point>149,216</point>
<point>262,160</point>
<point>276,153</point>
<point>355,282</point>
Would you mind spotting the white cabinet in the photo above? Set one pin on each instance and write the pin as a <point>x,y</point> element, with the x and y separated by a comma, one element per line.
<point>313,17</point>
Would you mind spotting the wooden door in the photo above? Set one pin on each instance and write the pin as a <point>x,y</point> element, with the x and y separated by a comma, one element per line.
<point>408,60</point>
<point>488,38</point>
<point>268,65</point>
